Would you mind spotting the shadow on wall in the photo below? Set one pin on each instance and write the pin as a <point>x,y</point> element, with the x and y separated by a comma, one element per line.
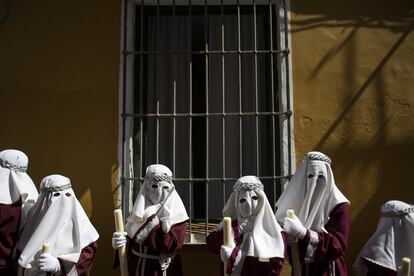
<point>371,176</point>
<point>370,135</point>
<point>395,16</point>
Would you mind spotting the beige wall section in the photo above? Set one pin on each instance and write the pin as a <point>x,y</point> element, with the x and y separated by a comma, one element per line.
<point>353,73</point>
<point>59,67</point>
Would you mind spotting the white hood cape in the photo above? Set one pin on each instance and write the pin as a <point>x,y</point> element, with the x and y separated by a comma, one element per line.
<point>312,205</point>
<point>393,239</point>
<point>15,183</point>
<point>58,219</point>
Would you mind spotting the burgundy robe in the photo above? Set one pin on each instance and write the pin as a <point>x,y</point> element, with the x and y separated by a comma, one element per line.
<point>83,264</point>
<point>85,260</point>
<point>157,242</point>
<point>9,231</point>
<point>331,246</point>
<point>251,265</point>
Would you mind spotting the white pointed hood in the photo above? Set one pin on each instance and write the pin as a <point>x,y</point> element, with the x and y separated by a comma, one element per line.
<point>312,199</point>
<point>393,239</point>
<point>58,219</point>
<point>15,183</point>
<point>170,200</point>
<point>265,240</point>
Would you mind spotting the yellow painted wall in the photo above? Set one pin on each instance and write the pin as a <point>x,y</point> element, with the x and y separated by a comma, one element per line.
<point>353,72</point>
<point>59,67</point>
<point>353,99</point>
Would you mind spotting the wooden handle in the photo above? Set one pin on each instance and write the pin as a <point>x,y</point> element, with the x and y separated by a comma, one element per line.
<point>406,266</point>
<point>296,265</point>
<point>227,236</point>
<point>119,226</point>
<point>46,248</point>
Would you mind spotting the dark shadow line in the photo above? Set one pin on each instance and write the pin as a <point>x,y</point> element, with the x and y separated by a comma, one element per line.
<point>332,52</point>
<point>363,87</point>
<point>396,28</point>
<point>376,139</point>
<point>377,21</point>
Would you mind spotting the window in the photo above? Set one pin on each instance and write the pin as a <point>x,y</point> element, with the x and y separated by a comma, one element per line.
<point>206,92</point>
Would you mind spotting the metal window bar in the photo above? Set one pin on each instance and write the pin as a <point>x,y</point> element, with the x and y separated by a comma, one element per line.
<point>287,64</point>
<point>123,120</point>
<point>223,92</point>
<point>240,89</point>
<point>272,89</point>
<point>206,21</point>
<point>211,114</point>
<point>211,52</point>
<point>158,103</point>
<point>141,93</point>
<point>190,130</point>
<point>175,64</point>
<point>256,97</point>
<point>223,52</point>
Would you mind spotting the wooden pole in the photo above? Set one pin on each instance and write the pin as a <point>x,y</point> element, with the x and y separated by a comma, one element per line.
<point>227,236</point>
<point>119,226</point>
<point>296,265</point>
<point>406,266</point>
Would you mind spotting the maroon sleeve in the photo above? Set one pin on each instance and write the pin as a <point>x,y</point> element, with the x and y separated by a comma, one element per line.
<point>84,262</point>
<point>214,240</point>
<point>85,259</point>
<point>276,266</point>
<point>333,244</point>
<point>166,242</point>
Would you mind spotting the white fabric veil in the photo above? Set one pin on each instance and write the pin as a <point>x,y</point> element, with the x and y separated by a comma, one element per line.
<point>312,205</point>
<point>265,240</point>
<point>172,201</point>
<point>392,240</point>
<point>58,219</point>
<point>15,183</point>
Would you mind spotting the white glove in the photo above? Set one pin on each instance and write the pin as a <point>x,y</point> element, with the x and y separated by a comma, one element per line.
<point>48,263</point>
<point>246,224</point>
<point>294,227</point>
<point>151,210</point>
<point>118,240</point>
<point>225,252</point>
<point>164,215</point>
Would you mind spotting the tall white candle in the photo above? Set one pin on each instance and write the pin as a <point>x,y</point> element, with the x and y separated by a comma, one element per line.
<point>46,248</point>
<point>227,236</point>
<point>296,265</point>
<point>119,226</point>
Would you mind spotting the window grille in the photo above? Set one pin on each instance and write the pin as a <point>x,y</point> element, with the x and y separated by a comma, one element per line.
<point>206,91</point>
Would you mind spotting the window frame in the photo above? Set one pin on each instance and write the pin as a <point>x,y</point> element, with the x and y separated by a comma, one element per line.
<point>123,191</point>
